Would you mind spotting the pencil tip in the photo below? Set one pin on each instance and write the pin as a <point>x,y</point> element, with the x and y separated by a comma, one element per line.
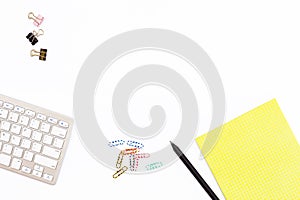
<point>176,149</point>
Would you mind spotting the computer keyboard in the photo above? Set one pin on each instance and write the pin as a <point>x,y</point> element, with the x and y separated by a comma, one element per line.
<point>33,140</point>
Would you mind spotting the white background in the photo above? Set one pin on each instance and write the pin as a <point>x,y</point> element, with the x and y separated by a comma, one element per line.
<point>254,44</point>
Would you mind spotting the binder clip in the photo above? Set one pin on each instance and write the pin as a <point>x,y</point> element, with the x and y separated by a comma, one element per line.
<point>32,37</point>
<point>42,54</point>
<point>37,20</point>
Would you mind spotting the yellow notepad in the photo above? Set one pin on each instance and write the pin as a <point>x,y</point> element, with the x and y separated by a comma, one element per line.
<point>257,156</point>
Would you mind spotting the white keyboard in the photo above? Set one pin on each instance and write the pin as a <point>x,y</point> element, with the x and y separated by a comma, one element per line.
<point>33,140</point>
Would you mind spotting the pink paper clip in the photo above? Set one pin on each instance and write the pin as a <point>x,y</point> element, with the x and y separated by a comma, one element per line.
<point>37,20</point>
<point>142,155</point>
<point>136,163</point>
<point>133,162</point>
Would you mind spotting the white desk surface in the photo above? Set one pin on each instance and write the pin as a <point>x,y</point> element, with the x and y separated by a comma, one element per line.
<point>255,46</point>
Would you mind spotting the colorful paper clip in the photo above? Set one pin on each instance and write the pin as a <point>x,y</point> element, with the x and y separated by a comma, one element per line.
<point>153,166</point>
<point>136,163</point>
<point>135,144</point>
<point>130,151</point>
<point>37,20</point>
<point>142,155</point>
<point>42,54</point>
<point>116,143</point>
<point>132,163</point>
<point>32,37</point>
<point>134,160</point>
<point>120,172</point>
<point>120,160</point>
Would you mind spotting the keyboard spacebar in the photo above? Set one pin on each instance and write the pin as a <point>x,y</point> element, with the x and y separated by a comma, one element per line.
<point>47,162</point>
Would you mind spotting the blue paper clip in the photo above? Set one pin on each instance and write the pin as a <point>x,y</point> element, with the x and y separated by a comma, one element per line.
<point>135,144</point>
<point>116,143</point>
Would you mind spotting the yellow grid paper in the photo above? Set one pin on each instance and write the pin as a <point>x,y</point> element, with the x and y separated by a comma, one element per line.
<point>257,156</point>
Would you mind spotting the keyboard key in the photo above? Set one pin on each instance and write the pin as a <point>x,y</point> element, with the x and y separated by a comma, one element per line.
<point>18,152</point>
<point>36,147</point>
<point>51,152</point>
<point>45,127</point>
<point>4,159</point>
<point>48,177</point>
<point>58,143</point>
<point>26,143</point>
<point>5,125</point>
<point>47,162</point>
<point>30,113</point>
<point>38,168</point>
<point>19,109</point>
<point>28,155</point>
<point>26,132</point>
<point>63,124</point>
<point>7,148</point>
<point>13,117</point>
<point>25,169</point>
<point>15,129</point>
<point>15,140</point>
<point>35,124</point>
<point>24,120</point>
<point>47,139</point>
<point>37,173</point>
<point>4,136</point>
<point>16,163</point>
<point>1,103</point>
<point>60,132</point>
<point>3,113</point>
<point>41,117</point>
<point>8,106</point>
<point>0,145</point>
<point>37,136</point>
<point>52,120</point>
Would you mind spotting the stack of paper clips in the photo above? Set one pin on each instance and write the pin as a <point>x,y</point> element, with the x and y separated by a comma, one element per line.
<point>133,154</point>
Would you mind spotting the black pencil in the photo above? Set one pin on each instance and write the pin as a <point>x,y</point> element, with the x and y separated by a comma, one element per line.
<point>194,172</point>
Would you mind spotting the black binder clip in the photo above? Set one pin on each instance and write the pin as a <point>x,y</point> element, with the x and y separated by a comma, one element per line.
<point>42,54</point>
<point>32,37</point>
